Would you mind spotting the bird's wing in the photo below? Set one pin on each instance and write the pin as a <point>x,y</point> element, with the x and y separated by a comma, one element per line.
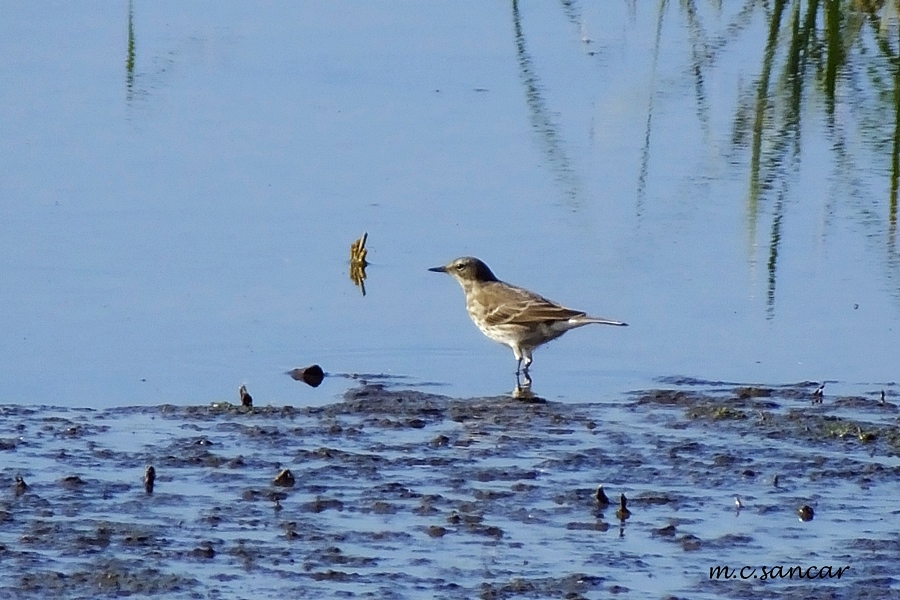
<point>521,307</point>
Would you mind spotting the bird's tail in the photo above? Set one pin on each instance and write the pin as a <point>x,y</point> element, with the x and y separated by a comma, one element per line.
<point>600,321</point>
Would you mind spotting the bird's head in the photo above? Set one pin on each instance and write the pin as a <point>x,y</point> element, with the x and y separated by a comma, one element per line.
<point>466,269</point>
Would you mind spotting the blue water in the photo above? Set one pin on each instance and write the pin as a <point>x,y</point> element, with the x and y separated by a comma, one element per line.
<point>178,204</point>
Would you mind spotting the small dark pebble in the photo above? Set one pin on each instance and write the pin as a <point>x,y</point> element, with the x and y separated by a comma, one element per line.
<point>436,531</point>
<point>205,551</point>
<point>246,398</point>
<point>622,512</point>
<point>136,540</point>
<point>425,509</point>
<point>321,504</point>
<point>595,526</point>
<point>456,518</point>
<point>439,440</point>
<point>72,481</point>
<point>383,508</point>
<point>149,479</point>
<point>284,479</point>
<point>806,513</point>
<point>490,530</point>
<point>667,531</point>
<point>723,460</point>
<point>251,495</point>
<point>690,543</point>
<point>311,375</point>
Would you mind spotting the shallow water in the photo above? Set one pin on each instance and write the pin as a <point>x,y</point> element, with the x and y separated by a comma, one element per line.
<point>181,184</point>
<point>403,494</point>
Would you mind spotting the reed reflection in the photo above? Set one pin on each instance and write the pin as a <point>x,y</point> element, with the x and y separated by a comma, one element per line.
<point>539,114</point>
<point>818,55</point>
<point>129,54</point>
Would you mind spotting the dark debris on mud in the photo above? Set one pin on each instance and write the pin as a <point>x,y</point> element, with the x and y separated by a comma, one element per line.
<point>403,494</point>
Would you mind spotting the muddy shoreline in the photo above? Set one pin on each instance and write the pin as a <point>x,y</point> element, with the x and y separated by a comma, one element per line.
<point>404,494</point>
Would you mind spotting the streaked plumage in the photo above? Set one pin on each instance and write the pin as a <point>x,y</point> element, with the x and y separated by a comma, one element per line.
<point>512,315</point>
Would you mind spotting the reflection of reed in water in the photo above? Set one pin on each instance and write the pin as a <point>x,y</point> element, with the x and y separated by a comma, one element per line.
<point>845,56</point>
<point>129,54</point>
<point>540,115</point>
<point>839,52</point>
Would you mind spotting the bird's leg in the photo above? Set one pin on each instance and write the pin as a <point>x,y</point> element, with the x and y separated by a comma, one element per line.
<point>528,360</point>
<point>527,378</point>
<point>519,367</point>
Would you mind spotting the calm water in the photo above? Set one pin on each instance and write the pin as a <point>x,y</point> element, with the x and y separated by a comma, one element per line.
<point>181,183</point>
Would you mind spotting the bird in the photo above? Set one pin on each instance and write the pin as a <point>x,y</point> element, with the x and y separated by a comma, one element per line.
<point>622,512</point>
<point>513,315</point>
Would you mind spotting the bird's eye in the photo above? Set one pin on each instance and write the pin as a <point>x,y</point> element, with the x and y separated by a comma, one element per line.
<point>460,267</point>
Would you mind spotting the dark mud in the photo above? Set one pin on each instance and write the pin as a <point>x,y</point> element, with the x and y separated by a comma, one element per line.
<point>403,494</point>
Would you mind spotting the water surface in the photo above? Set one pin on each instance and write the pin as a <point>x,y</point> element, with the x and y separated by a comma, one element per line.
<point>182,183</point>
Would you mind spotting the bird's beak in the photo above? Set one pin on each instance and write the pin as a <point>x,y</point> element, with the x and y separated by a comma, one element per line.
<point>438,269</point>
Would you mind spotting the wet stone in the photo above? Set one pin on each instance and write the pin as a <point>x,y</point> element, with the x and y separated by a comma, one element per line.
<point>284,479</point>
<point>312,375</point>
<point>384,508</point>
<point>322,504</point>
<point>436,531</point>
<point>690,543</point>
<point>667,531</point>
<point>594,526</point>
<point>204,552</point>
<point>72,482</point>
<point>753,392</point>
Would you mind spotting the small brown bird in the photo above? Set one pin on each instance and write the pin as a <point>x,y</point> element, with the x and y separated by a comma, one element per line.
<point>512,315</point>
